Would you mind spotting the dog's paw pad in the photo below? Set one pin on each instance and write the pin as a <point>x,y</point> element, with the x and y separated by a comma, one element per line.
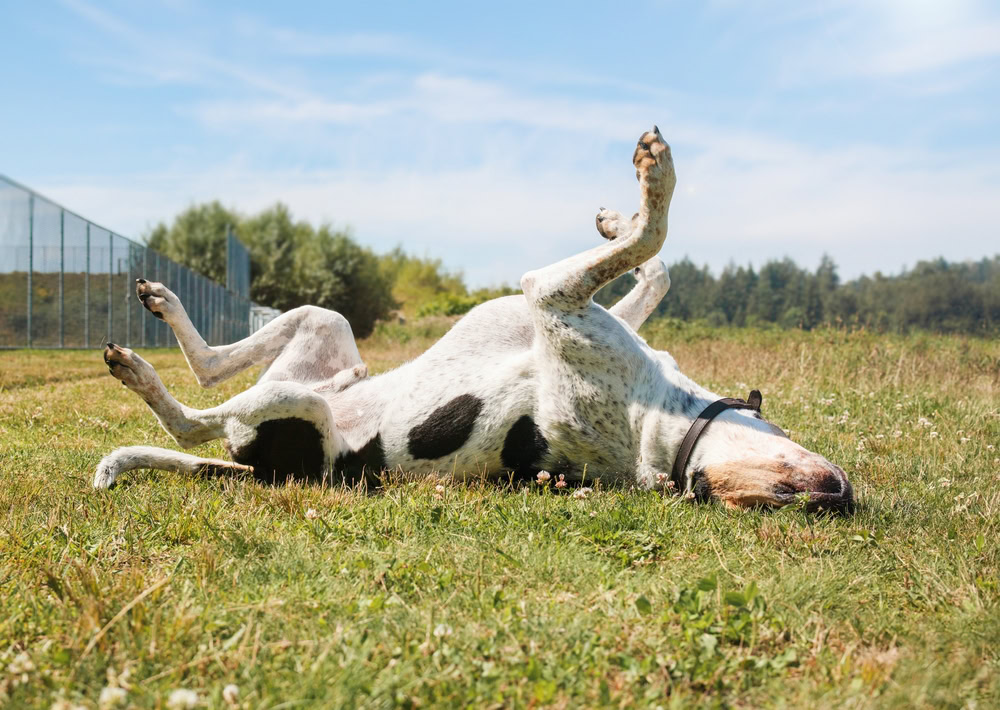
<point>127,367</point>
<point>155,297</point>
<point>611,224</point>
<point>652,155</point>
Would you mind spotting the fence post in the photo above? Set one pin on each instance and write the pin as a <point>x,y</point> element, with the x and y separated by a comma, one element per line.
<point>128,305</point>
<point>31,258</point>
<point>171,285</point>
<point>145,271</point>
<point>62,277</point>
<point>86,296</point>
<point>111,283</point>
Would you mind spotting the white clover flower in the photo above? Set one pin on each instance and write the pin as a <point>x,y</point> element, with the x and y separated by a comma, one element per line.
<point>22,663</point>
<point>661,478</point>
<point>897,434</point>
<point>934,435</point>
<point>312,514</point>
<point>439,488</point>
<point>561,483</point>
<point>965,440</point>
<point>944,482</point>
<point>182,699</point>
<point>111,697</point>
<point>543,476</point>
<point>990,447</point>
<point>581,492</point>
<point>231,694</point>
<point>442,630</point>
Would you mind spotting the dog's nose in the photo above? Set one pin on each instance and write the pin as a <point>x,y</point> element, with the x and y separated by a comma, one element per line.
<point>830,489</point>
<point>140,281</point>
<point>832,480</point>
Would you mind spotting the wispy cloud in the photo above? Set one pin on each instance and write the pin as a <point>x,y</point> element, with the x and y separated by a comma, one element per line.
<point>167,59</point>
<point>892,39</point>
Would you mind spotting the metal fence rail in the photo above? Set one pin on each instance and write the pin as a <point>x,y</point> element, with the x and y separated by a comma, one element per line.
<point>65,282</point>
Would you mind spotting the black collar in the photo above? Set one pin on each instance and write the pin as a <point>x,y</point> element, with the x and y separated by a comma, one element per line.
<point>698,426</point>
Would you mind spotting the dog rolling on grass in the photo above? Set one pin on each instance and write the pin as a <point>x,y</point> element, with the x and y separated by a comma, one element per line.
<point>545,381</point>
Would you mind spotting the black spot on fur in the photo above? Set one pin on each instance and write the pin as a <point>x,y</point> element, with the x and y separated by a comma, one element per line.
<point>524,448</point>
<point>700,487</point>
<point>283,448</point>
<point>368,461</point>
<point>446,429</point>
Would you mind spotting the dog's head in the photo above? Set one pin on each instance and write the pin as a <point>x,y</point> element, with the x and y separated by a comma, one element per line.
<point>743,460</point>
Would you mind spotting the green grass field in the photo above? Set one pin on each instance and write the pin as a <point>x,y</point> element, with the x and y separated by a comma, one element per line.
<point>487,596</point>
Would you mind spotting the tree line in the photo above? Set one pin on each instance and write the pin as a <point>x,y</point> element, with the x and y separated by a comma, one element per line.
<point>294,263</point>
<point>938,295</point>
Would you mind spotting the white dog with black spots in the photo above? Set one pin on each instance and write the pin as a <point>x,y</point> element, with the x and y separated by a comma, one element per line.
<point>544,381</point>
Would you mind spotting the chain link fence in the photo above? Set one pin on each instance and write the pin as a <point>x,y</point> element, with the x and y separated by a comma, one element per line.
<point>65,282</point>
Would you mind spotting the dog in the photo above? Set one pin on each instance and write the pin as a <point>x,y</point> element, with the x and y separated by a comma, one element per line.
<point>544,381</point>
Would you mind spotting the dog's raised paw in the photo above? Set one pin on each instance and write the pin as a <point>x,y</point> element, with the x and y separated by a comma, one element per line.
<point>155,297</point>
<point>128,368</point>
<point>652,156</point>
<point>611,224</point>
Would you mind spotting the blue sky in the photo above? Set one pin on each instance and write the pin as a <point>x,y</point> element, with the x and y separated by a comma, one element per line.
<point>488,134</point>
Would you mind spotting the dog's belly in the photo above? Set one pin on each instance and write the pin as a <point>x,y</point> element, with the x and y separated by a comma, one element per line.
<point>497,416</point>
<point>468,419</point>
<point>488,399</point>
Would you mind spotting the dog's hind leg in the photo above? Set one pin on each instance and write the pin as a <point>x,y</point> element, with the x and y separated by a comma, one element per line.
<point>281,429</point>
<point>307,344</point>
<point>130,458</point>
<point>571,283</point>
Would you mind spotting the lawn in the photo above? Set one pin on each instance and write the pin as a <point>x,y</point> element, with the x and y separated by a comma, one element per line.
<point>490,596</point>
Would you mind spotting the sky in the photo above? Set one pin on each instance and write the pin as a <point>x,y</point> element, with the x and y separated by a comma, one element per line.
<point>489,134</point>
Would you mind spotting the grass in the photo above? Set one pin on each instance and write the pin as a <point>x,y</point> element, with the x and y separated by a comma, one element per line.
<point>486,596</point>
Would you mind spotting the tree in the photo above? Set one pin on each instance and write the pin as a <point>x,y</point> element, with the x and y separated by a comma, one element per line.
<point>291,263</point>
<point>197,239</point>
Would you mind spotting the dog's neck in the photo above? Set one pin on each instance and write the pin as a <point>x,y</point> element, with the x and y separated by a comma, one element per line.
<point>668,409</point>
